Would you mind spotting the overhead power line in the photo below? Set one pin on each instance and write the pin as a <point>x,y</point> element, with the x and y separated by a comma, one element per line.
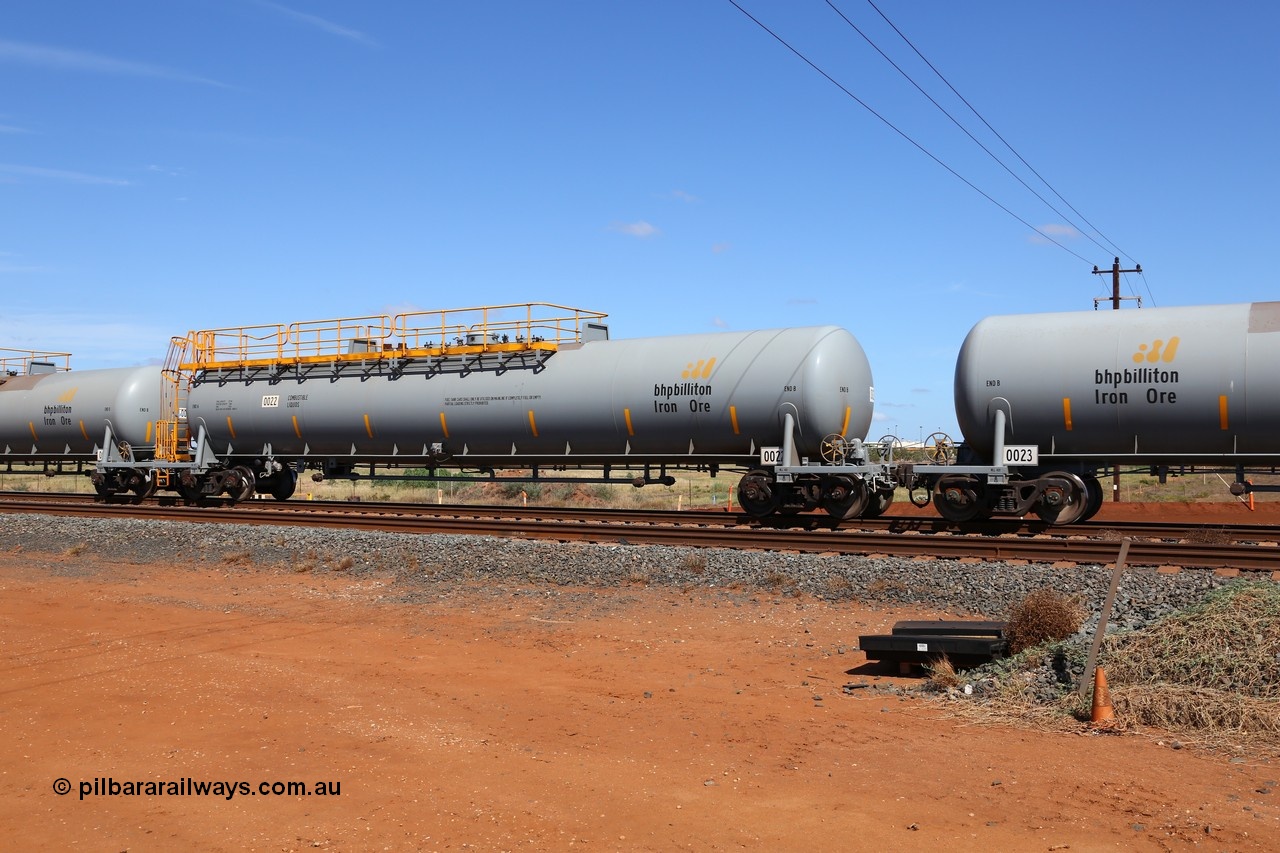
<point>981,118</point>
<point>901,132</point>
<point>964,129</point>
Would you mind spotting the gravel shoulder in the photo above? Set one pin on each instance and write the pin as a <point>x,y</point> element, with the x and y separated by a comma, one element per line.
<point>512,695</point>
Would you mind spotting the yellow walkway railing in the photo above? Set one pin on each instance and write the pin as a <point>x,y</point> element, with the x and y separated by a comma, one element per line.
<point>457,331</point>
<point>530,326</point>
<point>17,362</point>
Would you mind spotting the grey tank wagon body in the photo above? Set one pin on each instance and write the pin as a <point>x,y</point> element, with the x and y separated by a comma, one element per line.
<point>529,389</point>
<point>59,418</point>
<point>1057,398</point>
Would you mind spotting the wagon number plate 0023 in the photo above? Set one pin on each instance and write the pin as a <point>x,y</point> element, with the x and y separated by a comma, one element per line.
<point>1021,454</point>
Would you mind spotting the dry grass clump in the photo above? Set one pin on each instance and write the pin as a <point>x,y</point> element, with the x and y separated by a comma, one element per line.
<point>886,587</point>
<point>694,564</point>
<point>1210,674</point>
<point>638,576</point>
<point>943,675</point>
<point>1043,616</point>
<point>780,583</point>
<point>838,585</point>
<point>1213,669</point>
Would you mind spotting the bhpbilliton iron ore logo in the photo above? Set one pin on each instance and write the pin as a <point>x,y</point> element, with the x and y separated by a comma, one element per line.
<point>699,370</point>
<point>1158,351</point>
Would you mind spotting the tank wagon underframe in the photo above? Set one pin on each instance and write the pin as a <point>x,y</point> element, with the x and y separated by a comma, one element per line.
<point>849,483</point>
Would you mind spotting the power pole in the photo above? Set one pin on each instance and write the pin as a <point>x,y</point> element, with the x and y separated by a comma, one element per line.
<point>1115,280</point>
<point>1115,306</point>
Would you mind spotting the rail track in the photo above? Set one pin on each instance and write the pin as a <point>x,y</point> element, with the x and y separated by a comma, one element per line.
<point>1246,547</point>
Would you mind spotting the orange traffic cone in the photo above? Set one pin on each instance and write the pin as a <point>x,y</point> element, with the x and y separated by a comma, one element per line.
<point>1102,713</point>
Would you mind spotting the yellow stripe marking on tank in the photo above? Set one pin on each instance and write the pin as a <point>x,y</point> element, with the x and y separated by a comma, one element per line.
<point>733,419</point>
<point>626,414</point>
<point>844,428</point>
<point>1222,411</point>
<point>32,426</point>
<point>148,438</point>
<point>83,432</point>
<point>368,427</point>
<point>296,430</point>
<point>230,428</point>
<point>443,426</point>
<point>533,426</point>
<point>1066,413</point>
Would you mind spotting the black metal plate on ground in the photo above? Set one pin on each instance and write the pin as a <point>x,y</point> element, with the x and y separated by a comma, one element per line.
<point>965,644</point>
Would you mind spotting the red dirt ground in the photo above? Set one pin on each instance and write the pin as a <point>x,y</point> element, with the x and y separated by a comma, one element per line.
<point>501,717</point>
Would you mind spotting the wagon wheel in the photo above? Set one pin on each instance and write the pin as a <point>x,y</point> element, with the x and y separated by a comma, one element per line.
<point>758,495</point>
<point>142,483</point>
<point>834,448</point>
<point>940,449</point>
<point>244,485</point>
<point>959,498</point>
<point>283,484</point>
<point>879,503</point>
<point>844,497</point>
<point>1095,499</point>
<point>1065,498</point>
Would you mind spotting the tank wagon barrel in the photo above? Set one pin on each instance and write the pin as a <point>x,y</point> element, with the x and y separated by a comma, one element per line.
<point>56,417</point>
<point>1055,398</point>
<point>532,387</point>
<point>1047,401</point>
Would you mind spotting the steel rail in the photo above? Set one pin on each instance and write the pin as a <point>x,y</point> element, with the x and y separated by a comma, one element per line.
<point>1034,549</point>
<point>924,525</point>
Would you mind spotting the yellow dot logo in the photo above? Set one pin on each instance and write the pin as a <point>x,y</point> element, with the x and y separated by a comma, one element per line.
<point>699,370</point>
<point>1158,351</point>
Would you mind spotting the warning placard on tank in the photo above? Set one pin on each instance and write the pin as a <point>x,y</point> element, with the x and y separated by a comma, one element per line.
<point>486,399</point>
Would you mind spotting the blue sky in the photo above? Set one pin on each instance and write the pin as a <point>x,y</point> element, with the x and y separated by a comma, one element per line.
<point>175,164</point>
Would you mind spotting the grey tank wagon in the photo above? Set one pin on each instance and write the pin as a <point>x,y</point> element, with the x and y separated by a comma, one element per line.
<point>532,388</point>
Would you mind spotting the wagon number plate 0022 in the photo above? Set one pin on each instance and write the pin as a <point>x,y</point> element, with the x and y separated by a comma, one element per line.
<point>1021,454</point>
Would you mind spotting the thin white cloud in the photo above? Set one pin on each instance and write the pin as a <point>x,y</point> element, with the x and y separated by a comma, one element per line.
<point>639,229</point>
<point>63,59</point>
<point>240,140</point>
<point>1055,231</point>
<point>20,269</point>
<point>12,128</point>
<point>322,24</point>
<point>719,248</point>
<point>681,195</point>
<point>93,341</point>
<point>60,175</point>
